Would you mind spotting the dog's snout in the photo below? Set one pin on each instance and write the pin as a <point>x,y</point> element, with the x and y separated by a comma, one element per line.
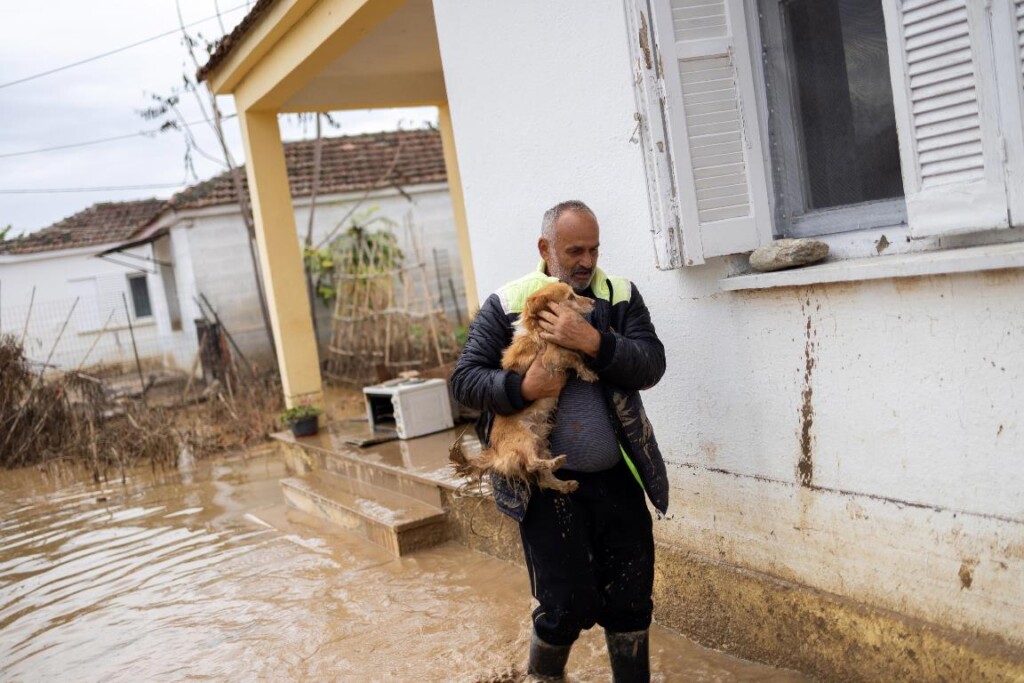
<point>586,304</point>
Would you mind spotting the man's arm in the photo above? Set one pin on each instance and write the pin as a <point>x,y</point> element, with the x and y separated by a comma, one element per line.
<point>478,380</point>
<point>632,358</point>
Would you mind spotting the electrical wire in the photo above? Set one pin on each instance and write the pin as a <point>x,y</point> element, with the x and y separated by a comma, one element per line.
<point>116,50</point>
<point>143,133</point>
<point>114,188</point>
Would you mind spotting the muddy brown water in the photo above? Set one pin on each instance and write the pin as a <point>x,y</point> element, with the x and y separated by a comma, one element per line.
<point>204,574</point>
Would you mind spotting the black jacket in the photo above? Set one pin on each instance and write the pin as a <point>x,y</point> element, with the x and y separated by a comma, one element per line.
<point>631,358</point>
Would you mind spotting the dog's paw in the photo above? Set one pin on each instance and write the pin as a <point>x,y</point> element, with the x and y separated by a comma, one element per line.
<point>549,481</point>
<point>586,374</point>
<point>569,485</point>
<point>553,463</point>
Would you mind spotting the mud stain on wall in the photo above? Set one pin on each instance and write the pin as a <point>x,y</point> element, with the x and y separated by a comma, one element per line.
<point>827,636</point>
<point>805,465</point>
<point>966,573</point>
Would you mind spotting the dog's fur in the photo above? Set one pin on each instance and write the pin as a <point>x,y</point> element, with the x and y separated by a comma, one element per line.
<point>519,442</point>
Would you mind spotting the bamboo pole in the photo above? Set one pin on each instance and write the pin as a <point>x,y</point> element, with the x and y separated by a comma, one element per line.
<point>95,341</point>
<point>135,350</point>
<point>28,316</point>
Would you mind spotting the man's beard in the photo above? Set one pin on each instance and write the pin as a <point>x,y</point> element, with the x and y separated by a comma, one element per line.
<point>556,271</point>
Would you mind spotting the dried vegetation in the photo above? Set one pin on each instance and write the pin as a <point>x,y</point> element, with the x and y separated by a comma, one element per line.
<point>75,417</point>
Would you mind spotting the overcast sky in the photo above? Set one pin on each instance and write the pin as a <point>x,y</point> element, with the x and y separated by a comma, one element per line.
<point>100,99</point>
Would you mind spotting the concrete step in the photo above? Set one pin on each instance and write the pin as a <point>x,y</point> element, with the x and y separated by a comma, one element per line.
<point>396,522</point>
<point>417,468</point>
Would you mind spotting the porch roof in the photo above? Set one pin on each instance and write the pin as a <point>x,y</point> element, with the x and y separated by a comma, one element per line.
<point>228,42</point>
<point>322,55</point>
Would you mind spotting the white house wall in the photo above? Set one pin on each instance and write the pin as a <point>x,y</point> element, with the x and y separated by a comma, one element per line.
<point>60,277</point>
<point>212,245</point>
<point>897,402</point>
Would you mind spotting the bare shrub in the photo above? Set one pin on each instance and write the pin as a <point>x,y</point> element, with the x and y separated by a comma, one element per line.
<point>74,417</point>
<point>34,414</point>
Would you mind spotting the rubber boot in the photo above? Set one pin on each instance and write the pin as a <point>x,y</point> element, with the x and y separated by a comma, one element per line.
<point>547,662</point>
<point>629,654</point>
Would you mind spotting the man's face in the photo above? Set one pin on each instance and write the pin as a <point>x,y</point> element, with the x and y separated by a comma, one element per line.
<point>572,257</point>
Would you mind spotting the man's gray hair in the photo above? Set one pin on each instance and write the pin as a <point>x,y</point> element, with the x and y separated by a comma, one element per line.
<point>547,228</point>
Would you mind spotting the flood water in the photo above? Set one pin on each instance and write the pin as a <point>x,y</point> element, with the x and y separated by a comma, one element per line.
<point>204,574</point>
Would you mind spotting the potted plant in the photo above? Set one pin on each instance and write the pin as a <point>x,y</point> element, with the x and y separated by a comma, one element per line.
<point>302,420</point>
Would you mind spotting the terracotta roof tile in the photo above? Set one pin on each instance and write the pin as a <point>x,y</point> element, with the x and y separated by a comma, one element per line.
<point>226,44</point>
<point>99,224</point>
<point>349,164</point>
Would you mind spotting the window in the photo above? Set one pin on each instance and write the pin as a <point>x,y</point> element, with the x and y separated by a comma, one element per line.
<point>140,296</point>
<point>763,118</point>
<point>831,120</point>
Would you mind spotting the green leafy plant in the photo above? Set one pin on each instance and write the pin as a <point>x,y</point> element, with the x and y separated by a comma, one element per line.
<point>296,413</point>
<point>358,252</point>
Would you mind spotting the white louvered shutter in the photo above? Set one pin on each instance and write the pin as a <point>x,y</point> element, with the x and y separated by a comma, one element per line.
<point>652,137</point>
<point>713,128</point>
<point>1008,39</point>
<point>947,115</point>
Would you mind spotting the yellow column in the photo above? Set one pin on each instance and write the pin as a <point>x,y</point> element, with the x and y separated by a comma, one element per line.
<point>451,164</point>
<point>281,259</point>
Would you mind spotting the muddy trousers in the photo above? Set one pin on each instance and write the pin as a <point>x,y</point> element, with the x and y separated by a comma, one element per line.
<point>590,555</point>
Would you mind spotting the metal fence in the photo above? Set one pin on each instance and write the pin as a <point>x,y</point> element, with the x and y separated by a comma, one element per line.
<point>77,333</point>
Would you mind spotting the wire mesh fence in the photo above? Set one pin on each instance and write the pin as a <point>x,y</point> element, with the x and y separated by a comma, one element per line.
<point>109,336</point>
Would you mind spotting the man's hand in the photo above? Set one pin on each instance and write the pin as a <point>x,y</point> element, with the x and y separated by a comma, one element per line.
<point>539,383</point>
<point>561,325</point>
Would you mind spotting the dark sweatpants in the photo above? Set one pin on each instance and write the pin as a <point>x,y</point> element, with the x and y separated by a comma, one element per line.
<point>590,555</point>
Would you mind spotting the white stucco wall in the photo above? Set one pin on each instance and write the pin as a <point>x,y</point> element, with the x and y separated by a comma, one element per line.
<point>58,278</point>
<point>908,390</point>
<point>213,258</point>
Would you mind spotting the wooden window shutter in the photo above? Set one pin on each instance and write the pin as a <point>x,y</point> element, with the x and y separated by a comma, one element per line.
<point>652,136</point>
<point>1008,41</point>
<point>713,126</point>
<point>947,114</point>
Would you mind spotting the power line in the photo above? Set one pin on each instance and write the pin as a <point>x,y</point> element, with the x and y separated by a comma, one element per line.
<point>142,133</point>
<point>39,190</point>
<point>115,51</point>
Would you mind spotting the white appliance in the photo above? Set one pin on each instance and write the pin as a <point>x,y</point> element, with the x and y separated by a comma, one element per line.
<point>412,407</point>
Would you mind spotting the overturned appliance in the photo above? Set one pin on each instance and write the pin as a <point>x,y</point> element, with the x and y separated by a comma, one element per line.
<point>411,407</point>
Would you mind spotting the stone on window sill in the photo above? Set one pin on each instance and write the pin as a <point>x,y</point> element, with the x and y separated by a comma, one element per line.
<point>963,260</point>
<point>788,253</point>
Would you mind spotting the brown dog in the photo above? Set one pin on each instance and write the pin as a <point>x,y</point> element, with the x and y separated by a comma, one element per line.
<point>519,443</point>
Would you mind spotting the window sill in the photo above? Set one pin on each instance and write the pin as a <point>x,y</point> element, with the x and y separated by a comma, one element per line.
<point>962,260</point>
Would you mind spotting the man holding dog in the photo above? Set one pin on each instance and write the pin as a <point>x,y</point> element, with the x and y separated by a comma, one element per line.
<point>590,553</point>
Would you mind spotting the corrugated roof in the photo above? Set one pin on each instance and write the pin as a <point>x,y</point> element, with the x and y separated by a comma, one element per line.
<point>348,164</point>
<point>226,44</point>
<point>99,224</point>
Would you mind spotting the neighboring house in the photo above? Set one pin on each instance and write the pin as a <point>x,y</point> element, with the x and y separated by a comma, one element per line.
<point>73,307</point>
<point>844,441</point>
<point>172,252</point>
<point>395,178</point>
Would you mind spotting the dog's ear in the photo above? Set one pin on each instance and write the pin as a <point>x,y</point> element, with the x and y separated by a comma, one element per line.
<point>536,303</point>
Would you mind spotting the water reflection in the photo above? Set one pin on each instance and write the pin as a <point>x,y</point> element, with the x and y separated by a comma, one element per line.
<point>206,575</point>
